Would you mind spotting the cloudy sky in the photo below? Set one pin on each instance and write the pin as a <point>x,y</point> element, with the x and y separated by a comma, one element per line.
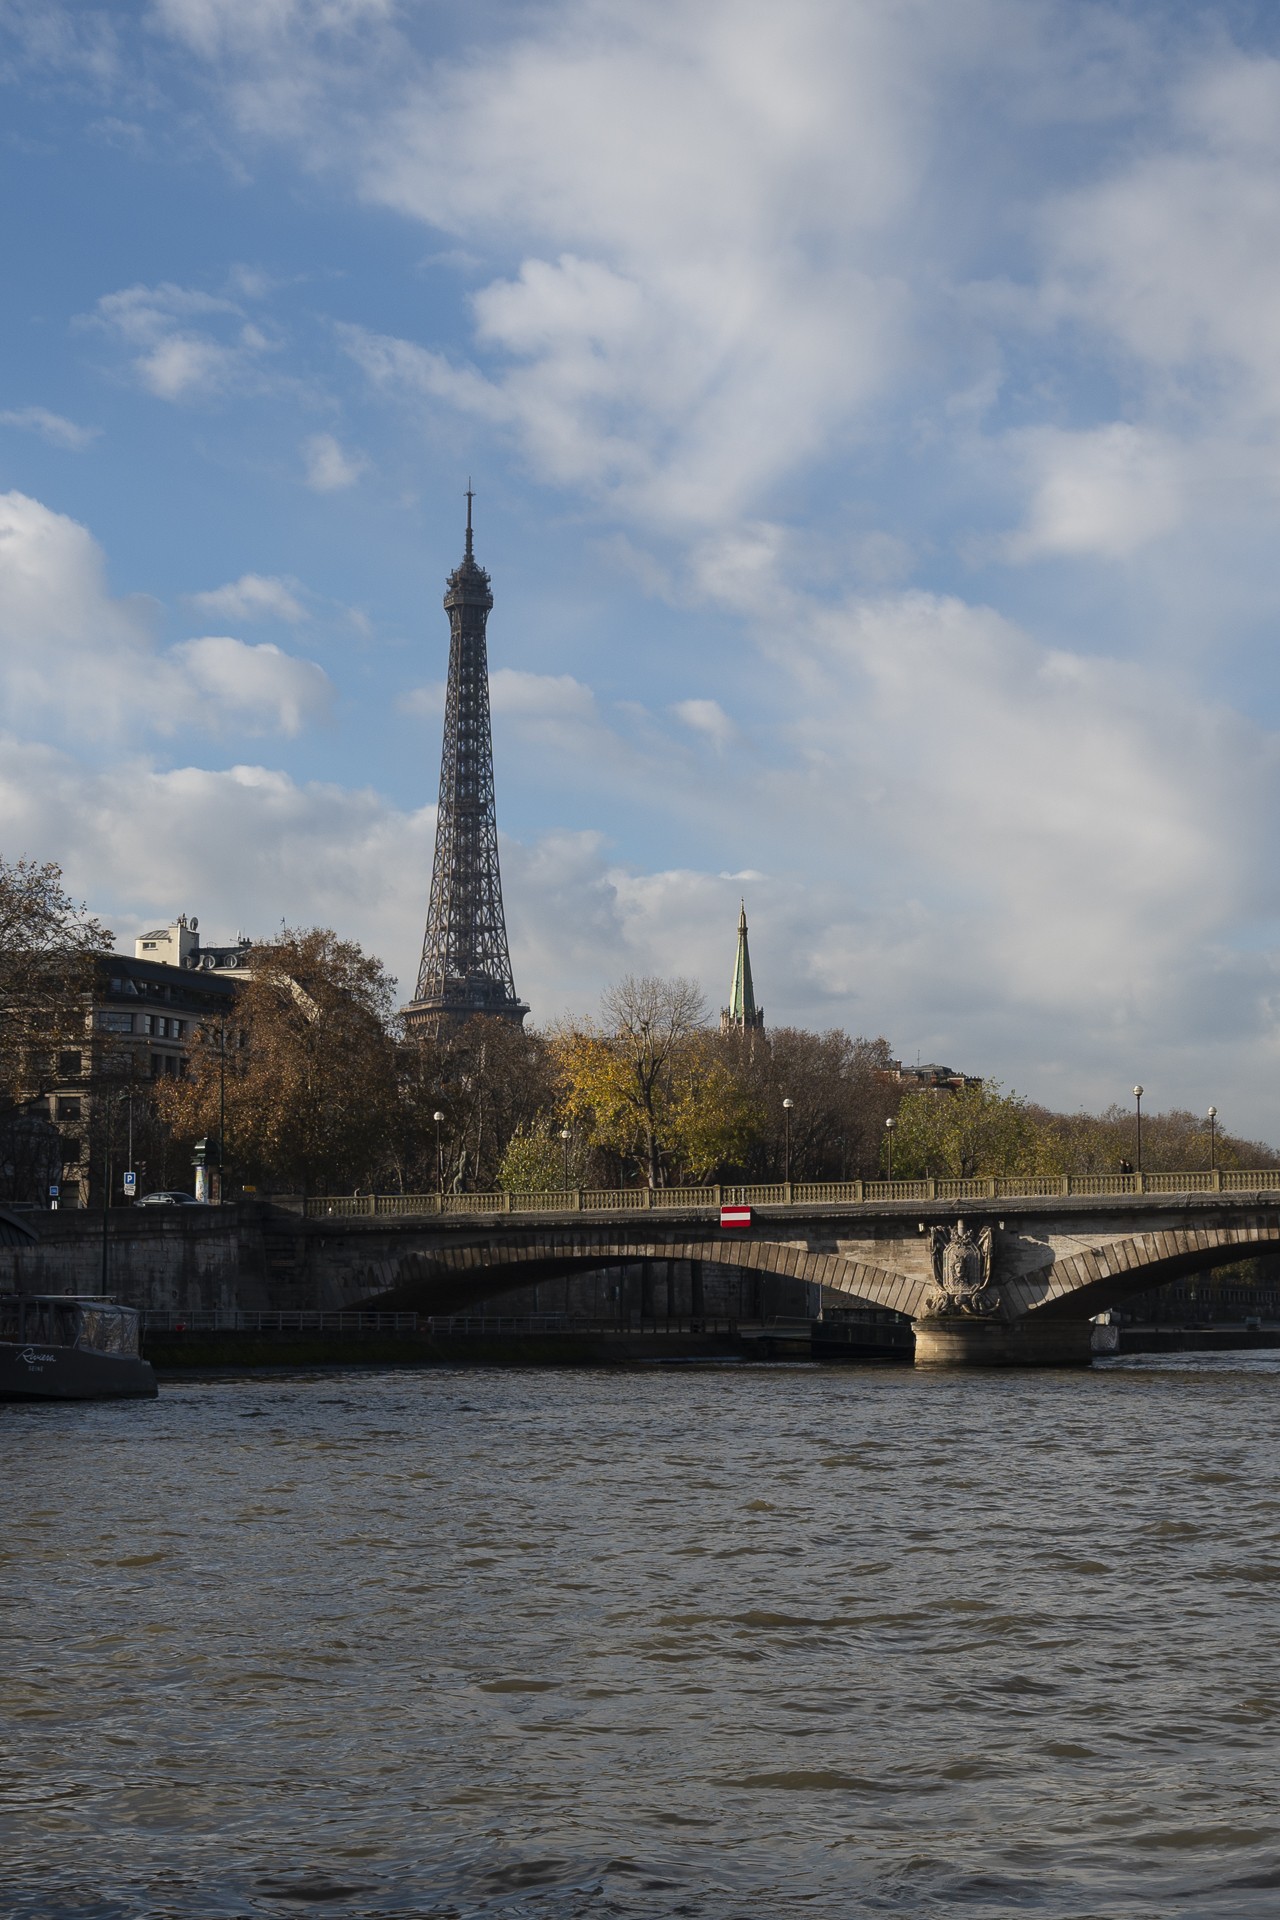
<point>874,413</point>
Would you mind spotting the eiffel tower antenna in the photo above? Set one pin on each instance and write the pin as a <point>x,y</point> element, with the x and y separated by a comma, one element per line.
<point>466,965</point>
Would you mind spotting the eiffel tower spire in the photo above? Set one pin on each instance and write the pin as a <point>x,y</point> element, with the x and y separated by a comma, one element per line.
<point>466,966</point>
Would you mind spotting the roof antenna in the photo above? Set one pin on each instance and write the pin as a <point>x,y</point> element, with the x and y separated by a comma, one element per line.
<point>470,497</point>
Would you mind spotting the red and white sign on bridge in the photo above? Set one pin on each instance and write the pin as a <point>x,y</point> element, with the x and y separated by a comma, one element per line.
<point>735,1216</point>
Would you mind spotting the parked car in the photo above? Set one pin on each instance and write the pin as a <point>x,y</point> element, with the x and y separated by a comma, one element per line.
<point>167,1200</point>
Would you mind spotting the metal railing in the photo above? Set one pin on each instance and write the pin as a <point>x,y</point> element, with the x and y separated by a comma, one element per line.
<point>490,1323</point>
<point>795,1193</point>
<point>287,1320</point>
<point>238,1320</point>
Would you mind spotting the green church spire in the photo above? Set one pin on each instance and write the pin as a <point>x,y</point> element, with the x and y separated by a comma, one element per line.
<point>742,1014</point>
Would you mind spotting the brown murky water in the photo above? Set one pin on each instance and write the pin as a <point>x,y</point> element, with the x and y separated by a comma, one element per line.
<point>743,1642</point>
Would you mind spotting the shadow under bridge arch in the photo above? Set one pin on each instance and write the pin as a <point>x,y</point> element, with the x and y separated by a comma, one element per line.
<point>443,1279</point>
<point>1097,1278</point>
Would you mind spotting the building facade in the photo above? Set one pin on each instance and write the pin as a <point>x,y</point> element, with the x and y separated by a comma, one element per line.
<point>178,945</point>
<point>144,1018</point>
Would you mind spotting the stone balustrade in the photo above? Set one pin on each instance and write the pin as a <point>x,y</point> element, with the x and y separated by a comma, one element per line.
<point>796,1193</point>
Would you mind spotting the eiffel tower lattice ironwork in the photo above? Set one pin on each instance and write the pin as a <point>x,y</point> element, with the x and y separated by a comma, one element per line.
<point>466,965</point>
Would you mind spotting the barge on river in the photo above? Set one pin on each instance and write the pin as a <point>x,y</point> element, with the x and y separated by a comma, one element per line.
<point>70,1346</point>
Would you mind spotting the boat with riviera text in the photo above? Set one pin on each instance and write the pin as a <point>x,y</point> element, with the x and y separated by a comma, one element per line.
<point>71,1346</point>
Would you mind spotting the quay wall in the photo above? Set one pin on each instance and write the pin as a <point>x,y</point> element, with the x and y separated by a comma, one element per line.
<point>256,1257</point>
<point>164,1260</point>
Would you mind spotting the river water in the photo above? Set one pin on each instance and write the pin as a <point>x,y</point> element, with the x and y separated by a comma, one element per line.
<point>729,1642</point>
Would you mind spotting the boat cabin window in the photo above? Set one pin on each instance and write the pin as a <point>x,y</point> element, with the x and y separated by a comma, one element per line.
<point>49,1323</point>
<point>109,1329</point>
<point>94,1326</point>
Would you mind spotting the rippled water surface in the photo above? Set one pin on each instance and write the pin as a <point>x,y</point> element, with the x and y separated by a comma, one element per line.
<point>740,1642</point>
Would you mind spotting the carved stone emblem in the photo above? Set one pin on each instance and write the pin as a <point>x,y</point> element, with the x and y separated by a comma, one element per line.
<point>962,1272</point>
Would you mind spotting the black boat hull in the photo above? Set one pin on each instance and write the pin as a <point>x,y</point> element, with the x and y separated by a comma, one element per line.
<point>33,1370</point>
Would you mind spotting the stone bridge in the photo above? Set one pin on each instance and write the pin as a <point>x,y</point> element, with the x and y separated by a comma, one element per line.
<point>1053,1262</point>
<point>1032,1267</point>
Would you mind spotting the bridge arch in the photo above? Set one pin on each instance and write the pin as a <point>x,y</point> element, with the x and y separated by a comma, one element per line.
<point>1097,1278</point>
<point>444,1278</point>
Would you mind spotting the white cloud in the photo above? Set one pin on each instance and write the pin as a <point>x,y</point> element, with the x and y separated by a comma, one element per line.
<point>1172,254</point>
<point>1106,492</point>
<point>718,293</point>
<point>328,468</point>
<point>53,427</point>
<point>250,28</point>
<point>254,596</point>
<point>707,717</point>
<point>174,359</point>
<point>1077,824</point>
<point>77,661</point>
<point>45,37</point>
<point>540,696</point>
<point>248,689</point>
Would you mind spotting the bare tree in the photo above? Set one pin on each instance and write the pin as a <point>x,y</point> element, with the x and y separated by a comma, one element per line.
<point>47,949</point>
<point>649,1021</point>
<point>840,1092</point>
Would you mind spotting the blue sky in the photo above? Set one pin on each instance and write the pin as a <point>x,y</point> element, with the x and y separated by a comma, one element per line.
<point>874,412</point>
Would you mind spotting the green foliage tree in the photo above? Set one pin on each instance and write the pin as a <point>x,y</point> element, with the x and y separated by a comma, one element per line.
<point>1174,1142</point>
<point>539,1160</point>
<point>975,1130</point>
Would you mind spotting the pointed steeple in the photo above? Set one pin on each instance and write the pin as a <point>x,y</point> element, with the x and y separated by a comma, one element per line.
<point>742,1014</point>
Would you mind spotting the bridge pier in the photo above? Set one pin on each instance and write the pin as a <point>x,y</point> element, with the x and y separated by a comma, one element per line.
<point>955,1340</point>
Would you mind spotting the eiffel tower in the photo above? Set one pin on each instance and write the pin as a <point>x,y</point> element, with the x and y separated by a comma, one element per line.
<point>466,966</point>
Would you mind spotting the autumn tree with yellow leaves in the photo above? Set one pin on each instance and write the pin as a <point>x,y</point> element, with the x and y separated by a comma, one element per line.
<point>649,1085</point>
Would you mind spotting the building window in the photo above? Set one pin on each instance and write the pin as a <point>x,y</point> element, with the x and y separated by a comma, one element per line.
<point>68,1109</point>
<point>179,1029</point>
<point>116,1022</point>
<point>68,1065</point>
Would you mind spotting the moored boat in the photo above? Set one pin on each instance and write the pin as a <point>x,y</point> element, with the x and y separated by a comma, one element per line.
<point>69,1346</point>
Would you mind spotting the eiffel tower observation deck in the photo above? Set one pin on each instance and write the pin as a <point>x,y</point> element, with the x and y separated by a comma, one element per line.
<point>466,965</point>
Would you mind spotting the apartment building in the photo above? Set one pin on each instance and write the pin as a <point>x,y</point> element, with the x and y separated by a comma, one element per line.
<point>145,1015</point>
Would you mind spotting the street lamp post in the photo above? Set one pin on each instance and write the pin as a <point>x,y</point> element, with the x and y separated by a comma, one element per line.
<point>438,1117</point>
<point>222,1107</point>
<point>787,1105</point>
<point>565,1137</point>
<point>110,1106</point>
<point>1137,1148</point>
<point>889,1126</point>
<point>1213,1139</point>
